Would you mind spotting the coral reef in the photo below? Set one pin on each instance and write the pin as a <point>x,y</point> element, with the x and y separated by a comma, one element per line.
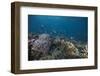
<point>42,44</point>
<point>45,47</point>
<point>71,50</point>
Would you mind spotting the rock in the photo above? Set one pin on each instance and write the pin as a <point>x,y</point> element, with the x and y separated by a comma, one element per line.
<point>42,44</point>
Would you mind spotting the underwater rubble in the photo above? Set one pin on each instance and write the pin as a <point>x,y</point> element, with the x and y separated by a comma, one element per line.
<point>46,47</point>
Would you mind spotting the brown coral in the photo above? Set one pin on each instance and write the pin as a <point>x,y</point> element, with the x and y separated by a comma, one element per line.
<point>71,50</point>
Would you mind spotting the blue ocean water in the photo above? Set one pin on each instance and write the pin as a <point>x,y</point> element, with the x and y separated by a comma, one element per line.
<point>69,26</point>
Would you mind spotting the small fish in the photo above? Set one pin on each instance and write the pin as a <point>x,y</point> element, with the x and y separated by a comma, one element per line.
<point>71,38</point>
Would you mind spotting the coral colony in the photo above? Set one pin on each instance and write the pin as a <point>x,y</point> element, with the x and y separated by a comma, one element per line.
<point>44,47</point>
<point>57,37</point>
